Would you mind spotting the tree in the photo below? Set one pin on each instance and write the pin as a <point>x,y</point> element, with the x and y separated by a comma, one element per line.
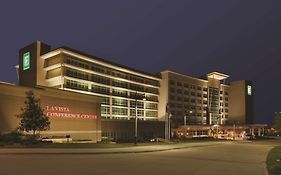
<point>32,116</point>
<point>276,122</point>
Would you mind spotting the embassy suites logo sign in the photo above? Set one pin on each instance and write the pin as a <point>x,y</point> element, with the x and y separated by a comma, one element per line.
<point>65,112</point>
<point>26,61</point>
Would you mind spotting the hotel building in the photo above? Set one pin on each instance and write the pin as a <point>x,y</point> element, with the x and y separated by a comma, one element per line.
<point>204,101</point>
<point>122,89</point>
<point>122,93</point>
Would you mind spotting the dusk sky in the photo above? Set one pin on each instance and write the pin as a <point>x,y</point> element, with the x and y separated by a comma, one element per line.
<point>193,37</point>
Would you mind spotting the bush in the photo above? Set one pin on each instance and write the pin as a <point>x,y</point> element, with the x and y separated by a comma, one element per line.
<point>10,138</point>
<point>18,138</point>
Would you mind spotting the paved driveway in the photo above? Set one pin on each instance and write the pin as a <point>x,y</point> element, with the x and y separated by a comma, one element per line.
<point>227,158</point>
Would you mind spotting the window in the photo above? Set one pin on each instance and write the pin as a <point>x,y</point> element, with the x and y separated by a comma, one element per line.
<point>179,106</point>
<point>151,90</point>
<point>105,101</point>
<point>199,95</point>
<point>226,98</point>
<point>199,88</point>
<point>139,104</point>
<point>119,111</point>
<point>119,102</point>
<point>100,89</point>
<point>105,110</point>
<point>192,93</point>
<point>225,93</point>
<point>74,62</point>
<point>151,106</point>
<point>151,98</point>
<point>186,92</point>
<point>120,93</point>
<point>172,82</point>
<point>100,79</point>
<point>226,104</point>
<point>179,84</point>
<point>186,85</point>
<point>179,91</point>
<point>151,113</point>
<point>76,74</point>
<point>172,97</point>
<point>136,87</point>
<point>172,89</point>
<point>76,85</point>
<point>118,83</point>
<point>179,98</point>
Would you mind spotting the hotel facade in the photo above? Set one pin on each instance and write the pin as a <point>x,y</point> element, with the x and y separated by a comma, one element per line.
<point>168,98</point>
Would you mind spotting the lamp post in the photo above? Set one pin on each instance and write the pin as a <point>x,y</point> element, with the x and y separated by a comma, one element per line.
<point>234,132</point>
<point>184,119</point>
<point>167,122</point>
<point>185,116</point>
<point>137,97</point>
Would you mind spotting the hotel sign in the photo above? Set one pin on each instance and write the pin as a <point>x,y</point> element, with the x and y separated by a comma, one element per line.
<point>26,61</point>
<point>249,90</point>
<point>65,112</point>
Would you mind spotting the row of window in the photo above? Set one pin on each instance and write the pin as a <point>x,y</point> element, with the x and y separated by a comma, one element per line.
<point>76,85</point>
<point>195,114</point>
<point>124,103</point>
<point>186,99</point>
<point>124,111</point>
<point>105,90</point>
<point>186,85</point>
<point>109,71</point>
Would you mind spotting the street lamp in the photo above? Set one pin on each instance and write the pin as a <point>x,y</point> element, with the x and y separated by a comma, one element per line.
<point>185,116</point>
<point>137,97</point>
<point>168,122</point>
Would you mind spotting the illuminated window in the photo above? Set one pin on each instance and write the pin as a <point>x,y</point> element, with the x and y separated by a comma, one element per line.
<point>119,102</point>
<point>105,110</point>
<point>119,111</point>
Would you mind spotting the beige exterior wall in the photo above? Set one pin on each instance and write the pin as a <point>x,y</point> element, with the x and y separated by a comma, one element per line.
<point>13,97</point>
<point>237,108</point>
<point>163,97</point>
<point>179,105</point>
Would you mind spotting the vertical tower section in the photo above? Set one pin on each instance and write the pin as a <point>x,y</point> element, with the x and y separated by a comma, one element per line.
<point>241,102</point>
<point>215,81</point>
<point>30,65</point>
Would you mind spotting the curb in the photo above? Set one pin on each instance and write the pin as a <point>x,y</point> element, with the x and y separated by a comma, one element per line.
<point>104,152</point>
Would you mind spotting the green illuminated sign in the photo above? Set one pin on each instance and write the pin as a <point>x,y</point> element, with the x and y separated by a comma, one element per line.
<point>249,90</point>
<point>26,61</point>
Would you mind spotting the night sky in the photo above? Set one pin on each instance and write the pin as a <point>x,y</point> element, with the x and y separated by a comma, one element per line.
<point>239,38</point>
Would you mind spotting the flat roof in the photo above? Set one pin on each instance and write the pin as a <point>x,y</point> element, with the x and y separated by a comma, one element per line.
<point>217,75</point>
<point>103,60</point>
<point>186,76</point>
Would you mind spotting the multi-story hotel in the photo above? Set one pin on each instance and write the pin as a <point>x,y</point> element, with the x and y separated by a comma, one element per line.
<point>169,97</point>
<point>119,86</point>
<point>201,101</point>
<point>122,89</point>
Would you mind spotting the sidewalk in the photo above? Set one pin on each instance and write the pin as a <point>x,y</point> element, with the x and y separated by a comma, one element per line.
<point>131,149</point>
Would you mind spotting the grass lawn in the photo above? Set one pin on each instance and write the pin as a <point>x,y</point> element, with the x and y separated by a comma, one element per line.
<point>273,161</point>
